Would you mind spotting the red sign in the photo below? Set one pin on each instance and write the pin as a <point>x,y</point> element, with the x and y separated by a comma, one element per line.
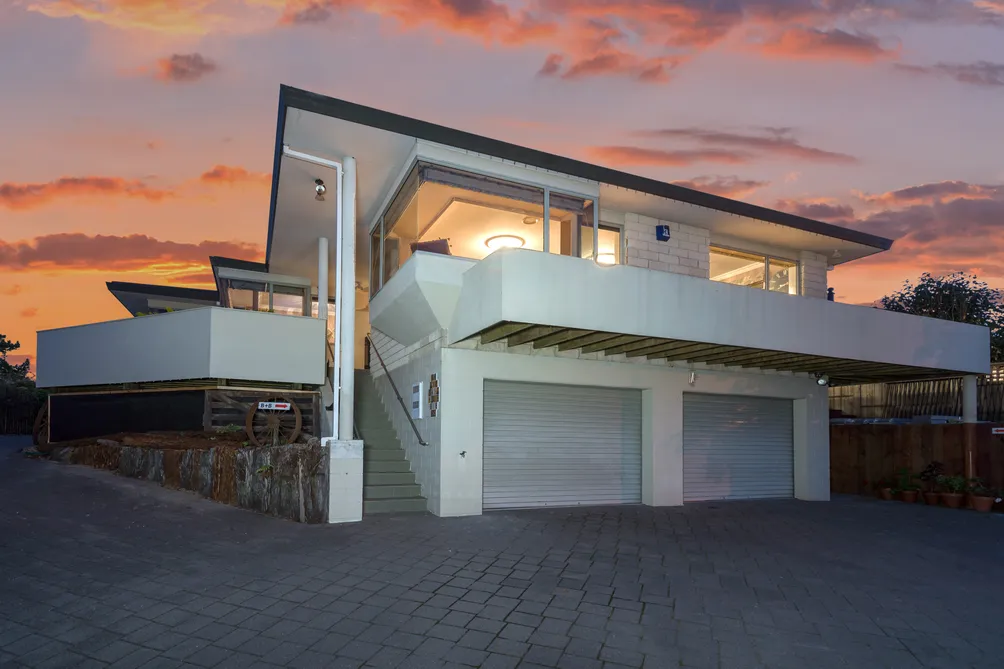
<point>997,430</point>
<point>274,406</point>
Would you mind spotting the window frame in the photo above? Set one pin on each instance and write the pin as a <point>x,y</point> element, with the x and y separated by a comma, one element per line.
<point>767,258</point>
<point>414,168</point>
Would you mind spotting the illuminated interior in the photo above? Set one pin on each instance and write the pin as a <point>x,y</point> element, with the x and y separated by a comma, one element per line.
<point>451,212</point>
<point>752,270</point>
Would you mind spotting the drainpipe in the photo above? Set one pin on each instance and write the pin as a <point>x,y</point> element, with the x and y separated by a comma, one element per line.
<point>347,297</point>
<point>969,416</point>
<point>322,314</point>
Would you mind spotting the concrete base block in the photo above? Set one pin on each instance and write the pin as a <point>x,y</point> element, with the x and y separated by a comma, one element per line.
<point>345,478</point>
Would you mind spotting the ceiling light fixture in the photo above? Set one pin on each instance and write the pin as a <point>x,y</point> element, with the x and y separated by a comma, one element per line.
<point>822,379</point>
<point>530,220</point>
<point>505,242</point>
<point>320,189</point>
<point>606,259</point>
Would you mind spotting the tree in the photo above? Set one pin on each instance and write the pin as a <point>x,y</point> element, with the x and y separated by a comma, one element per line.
<point>956,297</point>
<point>10,373</point>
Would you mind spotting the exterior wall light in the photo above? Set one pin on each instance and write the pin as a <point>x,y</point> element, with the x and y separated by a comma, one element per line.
<point>822,379</point>
<point>505,242</point>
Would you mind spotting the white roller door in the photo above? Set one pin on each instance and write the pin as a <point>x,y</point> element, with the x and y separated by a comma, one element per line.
<point>736,447</point>
<point>556,445</point>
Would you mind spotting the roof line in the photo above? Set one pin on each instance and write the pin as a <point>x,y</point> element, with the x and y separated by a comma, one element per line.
<point>162,291</point>
<point>280,130</point>
<point>383,120</point>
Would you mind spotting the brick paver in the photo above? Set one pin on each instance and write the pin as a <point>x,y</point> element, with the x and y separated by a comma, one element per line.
<point>102,571</point>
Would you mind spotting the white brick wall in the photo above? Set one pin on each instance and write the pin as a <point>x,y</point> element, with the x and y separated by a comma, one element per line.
<point>410,365</point>
<point>813,270</point>
<point>686,252</point>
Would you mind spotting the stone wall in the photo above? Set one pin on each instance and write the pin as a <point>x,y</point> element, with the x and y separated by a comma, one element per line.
<point>285,481</point>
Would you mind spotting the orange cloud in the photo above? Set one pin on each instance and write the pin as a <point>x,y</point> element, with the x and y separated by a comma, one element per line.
<point>732,186</point>
<point>30,312</point>
<point>769,142</point>
<point>30,195</point>
<point>932,193</point>
<point>229,175</point>
<point>81,252</point>
<point>167,16</point>
<point>820,209</point>
<point>184,68</point>
<point>637,155</point>
<point>833,44</point>
<point>12,290</point>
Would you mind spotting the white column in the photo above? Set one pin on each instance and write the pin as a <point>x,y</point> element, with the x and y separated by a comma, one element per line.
<point>327,394</point>
<point>346,311</point>
<point>969,409</point>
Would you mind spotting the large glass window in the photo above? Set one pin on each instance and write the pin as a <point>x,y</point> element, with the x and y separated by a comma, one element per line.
<point>439,209</point>
<point>256,291</point>
<point>754,271</point>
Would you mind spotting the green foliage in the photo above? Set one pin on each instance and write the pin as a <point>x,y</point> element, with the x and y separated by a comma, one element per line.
<point>264,470</point>
<point>956,297</point>
<point>229,429</point>
<point>905,481</point>
<point>953,484</point>
<point>11,374</point>
<point>980,489</point>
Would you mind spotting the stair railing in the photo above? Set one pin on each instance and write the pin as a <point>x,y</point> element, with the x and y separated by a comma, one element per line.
<point>404,407</point>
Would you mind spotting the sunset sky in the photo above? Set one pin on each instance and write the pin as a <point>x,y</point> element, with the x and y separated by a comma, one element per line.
<point>137,135</point>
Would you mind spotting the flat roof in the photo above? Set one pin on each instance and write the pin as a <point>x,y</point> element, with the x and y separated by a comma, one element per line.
<point>290,97</point>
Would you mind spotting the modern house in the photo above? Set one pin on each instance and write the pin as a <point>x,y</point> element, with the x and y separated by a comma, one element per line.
<point>559,333</point>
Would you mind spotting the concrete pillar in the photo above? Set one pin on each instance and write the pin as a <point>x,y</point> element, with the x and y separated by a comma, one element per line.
<point>347,310</point>
<point>970,412</point>
<point>345,482</point>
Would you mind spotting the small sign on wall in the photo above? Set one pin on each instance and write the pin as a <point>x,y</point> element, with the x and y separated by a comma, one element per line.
<point>433,395</point>
<point>662,233</point>
<point>997,430</point>
<point>416,400</point>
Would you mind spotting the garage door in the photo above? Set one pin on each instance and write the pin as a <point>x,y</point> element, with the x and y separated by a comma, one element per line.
<point>736,447</point>
<point>555,445</point>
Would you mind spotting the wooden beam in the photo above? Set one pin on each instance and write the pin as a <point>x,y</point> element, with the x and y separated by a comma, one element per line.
<point>738,356</point>
<point>681,353</point>
<point>667,345</point>
<point>610,343</point>
<point>497,332</point>
<point>530,334</point>
<point>723,353</point>
<point>559,338</point>
<point>773,358</point>
<point>585,340</point>
<point>641,343</point>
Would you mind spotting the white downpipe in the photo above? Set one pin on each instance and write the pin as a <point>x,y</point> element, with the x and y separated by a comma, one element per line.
<point>323,259</point>
<point>322,306</point>
<point>347,299</point>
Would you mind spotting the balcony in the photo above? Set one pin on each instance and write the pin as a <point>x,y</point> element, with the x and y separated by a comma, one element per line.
<point>204,343</point>
<point>545,300</point>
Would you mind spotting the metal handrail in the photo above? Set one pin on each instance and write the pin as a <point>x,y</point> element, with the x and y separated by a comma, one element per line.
<point>369,343</point>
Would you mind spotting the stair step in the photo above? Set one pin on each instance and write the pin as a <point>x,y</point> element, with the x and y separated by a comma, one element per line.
<point>406,505</point>
<point>392,491</point>
<point>388,478</point>
<point>383,454</point>
<point>386,466</point>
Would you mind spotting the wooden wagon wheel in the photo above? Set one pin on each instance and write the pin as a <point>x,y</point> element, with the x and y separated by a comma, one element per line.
<point>40,431</point>
<point>273,426</point>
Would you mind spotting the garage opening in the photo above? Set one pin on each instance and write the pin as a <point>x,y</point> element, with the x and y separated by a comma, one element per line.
<point>737,447</point>
<point>551,445</point>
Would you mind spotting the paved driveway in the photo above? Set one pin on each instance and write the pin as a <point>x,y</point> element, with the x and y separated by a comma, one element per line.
<point>99,570</point>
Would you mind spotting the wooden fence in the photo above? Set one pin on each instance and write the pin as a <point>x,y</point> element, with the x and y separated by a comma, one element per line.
<point>942,397</point>
<point>18,408</point>
<point>861,456</point>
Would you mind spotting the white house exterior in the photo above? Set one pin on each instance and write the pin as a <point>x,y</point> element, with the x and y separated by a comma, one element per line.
<point>573,335</point>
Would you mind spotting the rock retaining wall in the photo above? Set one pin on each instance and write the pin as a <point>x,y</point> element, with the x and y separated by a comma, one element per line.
<point>285,481</point>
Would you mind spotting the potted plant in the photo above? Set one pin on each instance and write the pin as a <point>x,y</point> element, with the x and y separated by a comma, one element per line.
<point>953,489</point>
<point>905,486</point>
<point>982,497</point>
<point>885,490</point>
<point>930,476</point>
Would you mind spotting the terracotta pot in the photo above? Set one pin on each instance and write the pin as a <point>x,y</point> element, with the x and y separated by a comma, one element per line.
<point>982,504</point>
<point>953,500</point>
<point>931,498</point>
<point>885,493</point>
<point>908,496</point>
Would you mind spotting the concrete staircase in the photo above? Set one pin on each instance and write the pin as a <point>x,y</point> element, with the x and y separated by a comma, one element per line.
<point>389,485</point>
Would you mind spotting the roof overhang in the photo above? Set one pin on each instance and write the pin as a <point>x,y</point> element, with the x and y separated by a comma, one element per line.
<point>143,298</point>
